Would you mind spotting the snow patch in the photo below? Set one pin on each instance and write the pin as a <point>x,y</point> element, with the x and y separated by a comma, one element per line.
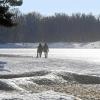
<point>54,45</point>
<point>48,95</point>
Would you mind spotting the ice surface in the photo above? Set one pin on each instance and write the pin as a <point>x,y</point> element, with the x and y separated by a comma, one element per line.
<point>22,70</point>
<point>80,54</point>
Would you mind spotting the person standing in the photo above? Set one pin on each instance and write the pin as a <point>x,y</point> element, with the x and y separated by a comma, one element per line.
<point>45,50</point>
<point>39,50</point>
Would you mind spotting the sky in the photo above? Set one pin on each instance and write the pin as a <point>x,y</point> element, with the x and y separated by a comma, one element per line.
<point>49,7</point>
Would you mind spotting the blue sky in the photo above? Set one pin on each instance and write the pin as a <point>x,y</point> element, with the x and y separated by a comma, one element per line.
<point>49,7</point>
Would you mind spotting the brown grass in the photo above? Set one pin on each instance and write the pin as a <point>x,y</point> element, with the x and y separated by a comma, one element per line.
<point>83,91</point>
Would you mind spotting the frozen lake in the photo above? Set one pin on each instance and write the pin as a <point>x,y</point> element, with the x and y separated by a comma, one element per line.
<point>65,74</point>
<point>91,55</point>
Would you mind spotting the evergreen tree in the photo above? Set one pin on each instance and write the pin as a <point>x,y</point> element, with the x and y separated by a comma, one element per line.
<point>6,17</point>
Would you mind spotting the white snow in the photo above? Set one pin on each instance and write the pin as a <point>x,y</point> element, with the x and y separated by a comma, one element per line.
<point>89,45</point>
<point>80,54</point>
<point>23,61</point>
<point>53,63</point>
<point>48,95</point>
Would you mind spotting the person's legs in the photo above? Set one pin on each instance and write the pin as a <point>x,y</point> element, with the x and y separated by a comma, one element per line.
<point>37,54</point>
<point>40,54</point>
<point>45,54</point>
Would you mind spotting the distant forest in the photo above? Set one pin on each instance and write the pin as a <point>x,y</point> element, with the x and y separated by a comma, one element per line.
<point>34,27</point>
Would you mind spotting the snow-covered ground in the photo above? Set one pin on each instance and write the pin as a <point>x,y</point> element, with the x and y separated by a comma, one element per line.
<point>67,74</point>
<point>78,45</point>
<point>48,95</point>
<point>92,55</point>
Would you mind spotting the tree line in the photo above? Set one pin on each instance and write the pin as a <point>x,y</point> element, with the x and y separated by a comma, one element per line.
<point>33,27</point>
